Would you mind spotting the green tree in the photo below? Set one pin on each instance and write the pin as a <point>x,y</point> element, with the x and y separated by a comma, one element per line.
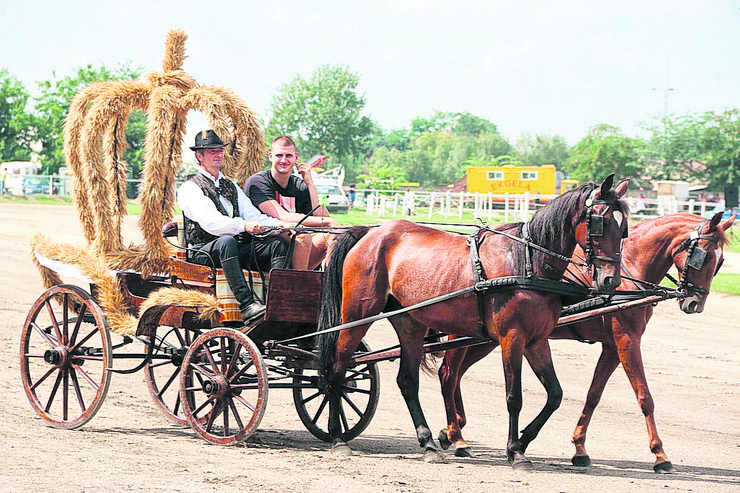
<point>603,151</point>
<point>440,148</point>
<point>720,140</point>
<point>16,122</point>
<point>53,103</point>
<point>535,150</point>
<point>675,144</point>
<point>385,169</point>
<point>323,115</point>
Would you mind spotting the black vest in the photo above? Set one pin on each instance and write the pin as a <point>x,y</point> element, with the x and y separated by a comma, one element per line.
<point>197,236</point>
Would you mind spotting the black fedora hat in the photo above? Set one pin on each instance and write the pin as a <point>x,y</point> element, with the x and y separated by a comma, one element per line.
<point>207,139</point>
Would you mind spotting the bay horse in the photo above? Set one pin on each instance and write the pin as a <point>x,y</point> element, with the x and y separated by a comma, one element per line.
<point>401,264</point>
<point>694,245</point>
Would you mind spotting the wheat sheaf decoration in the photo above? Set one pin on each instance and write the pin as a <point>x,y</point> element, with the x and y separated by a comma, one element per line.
<point>94,142</point>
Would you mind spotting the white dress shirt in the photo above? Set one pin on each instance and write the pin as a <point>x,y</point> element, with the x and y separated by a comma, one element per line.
<point>199,208</point>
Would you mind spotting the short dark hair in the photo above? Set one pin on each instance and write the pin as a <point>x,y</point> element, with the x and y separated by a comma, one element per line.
<point>283,140</point>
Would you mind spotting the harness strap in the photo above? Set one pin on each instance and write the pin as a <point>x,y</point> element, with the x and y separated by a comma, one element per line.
<point>483,286</point>
<point>478,277</point>
<point>529,270</point>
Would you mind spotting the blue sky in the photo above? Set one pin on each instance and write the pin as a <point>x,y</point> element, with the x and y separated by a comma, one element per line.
<point>541,67</point>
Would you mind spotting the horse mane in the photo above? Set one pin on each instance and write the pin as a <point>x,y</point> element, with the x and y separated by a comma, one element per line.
<point>722,237</point>
<point>548,228</point>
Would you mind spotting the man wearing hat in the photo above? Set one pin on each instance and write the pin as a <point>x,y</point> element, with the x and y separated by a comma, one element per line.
<point>216,211</point>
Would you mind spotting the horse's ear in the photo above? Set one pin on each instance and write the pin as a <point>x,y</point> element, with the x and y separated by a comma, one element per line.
<point>726,225</point>
<point>621,188</point>
<point>716,218</point>
<point>607,185</point>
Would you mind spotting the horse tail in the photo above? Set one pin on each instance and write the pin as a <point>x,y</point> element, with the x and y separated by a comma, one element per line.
<point>331,295</point>
<point>429,363</point>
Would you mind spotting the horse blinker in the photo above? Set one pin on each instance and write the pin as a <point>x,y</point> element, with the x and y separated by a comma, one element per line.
<point>696,260</point>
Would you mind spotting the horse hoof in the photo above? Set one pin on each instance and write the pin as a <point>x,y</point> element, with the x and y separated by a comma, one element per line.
<point>581,460</point>
<point>433,456</point>
<point>341,450</point>
<point>444,441</point>
<point>521,463</point>
<point>664,467</point>
<point>463,452</point>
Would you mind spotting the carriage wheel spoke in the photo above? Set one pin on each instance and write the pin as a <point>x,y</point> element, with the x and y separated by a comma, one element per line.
<point>53,391</point>
<point>209,357</point>
<point>208,401</point>
<point>65,318</point>
<point>43,377</point>
<point>199,370</point>
<point>311,397</point>
<point>226,418</point>
<point>235,412</point>
<point>78,391</point>
<point>87,377</point>
<point>351,404</point>
<point>51,342</point>
<point>243,370</point>
<point>343,415</point>
<point>84,340</point>
<point>222,353</point>
<point>168,383</point>
<point>65,394</point>
<point>245,403</point>
<point>54,321</point>
<point>234,360</point>
<point>320,410</point>
<point>213,415</point>
<point>78,324</point>
<point>176,410</point>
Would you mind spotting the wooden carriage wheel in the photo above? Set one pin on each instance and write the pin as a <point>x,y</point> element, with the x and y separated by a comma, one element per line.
<point>360,395</point>
<point>65,356</point>
<point>162,373</point>
<point>223,386</point>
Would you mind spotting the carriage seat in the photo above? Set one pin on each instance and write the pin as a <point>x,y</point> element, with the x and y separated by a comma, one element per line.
<point>208,279</point>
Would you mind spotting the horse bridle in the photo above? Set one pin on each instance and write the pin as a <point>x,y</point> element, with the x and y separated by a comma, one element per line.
<point>595,228</point>
<point>695,258</point>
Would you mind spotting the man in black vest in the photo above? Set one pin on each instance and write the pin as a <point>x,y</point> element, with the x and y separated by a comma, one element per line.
<point>220,222</point>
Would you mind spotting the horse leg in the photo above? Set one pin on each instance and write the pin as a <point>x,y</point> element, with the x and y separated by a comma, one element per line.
<point>512,348</point>
<point>540,359</point>
<point>606,365</point>
<point>449,373</point>
<point>411,338</point>
<point>456,362</point>
<point>630,355</point>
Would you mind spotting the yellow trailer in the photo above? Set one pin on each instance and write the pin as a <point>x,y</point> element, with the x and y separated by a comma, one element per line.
<point>513,179</point>
<point>537,180</point>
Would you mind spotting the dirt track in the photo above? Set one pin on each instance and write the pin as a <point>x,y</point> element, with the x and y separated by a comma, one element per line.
<point>692,362</point>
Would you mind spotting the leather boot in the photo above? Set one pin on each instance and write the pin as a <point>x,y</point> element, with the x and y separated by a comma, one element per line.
<point>235,277</point>
<point>278,263</point>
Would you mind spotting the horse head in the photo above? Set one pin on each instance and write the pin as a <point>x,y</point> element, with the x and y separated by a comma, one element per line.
<point>600,234</point>
<point>698,260</point>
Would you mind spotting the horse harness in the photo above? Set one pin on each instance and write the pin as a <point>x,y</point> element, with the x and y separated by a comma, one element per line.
<point>483,286</point>
<point>695,258</point>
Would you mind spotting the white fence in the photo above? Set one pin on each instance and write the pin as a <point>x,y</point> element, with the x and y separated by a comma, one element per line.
<point>506,207</point>
<point>423,205</point>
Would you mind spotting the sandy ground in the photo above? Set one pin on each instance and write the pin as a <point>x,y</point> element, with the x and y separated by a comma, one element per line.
<point>693,364</point>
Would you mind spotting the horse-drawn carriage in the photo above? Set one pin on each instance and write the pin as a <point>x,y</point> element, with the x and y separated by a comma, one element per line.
<point>206,368</point>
